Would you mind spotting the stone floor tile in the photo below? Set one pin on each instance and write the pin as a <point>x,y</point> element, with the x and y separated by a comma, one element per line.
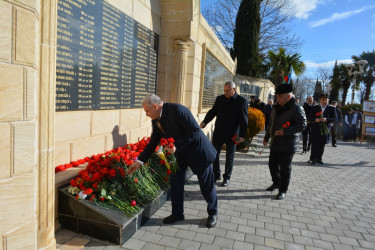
<point>223,242</point>
<point>240,245</point>
<point>134,244</point>
<point>205,238</point>
<point>189,245</point>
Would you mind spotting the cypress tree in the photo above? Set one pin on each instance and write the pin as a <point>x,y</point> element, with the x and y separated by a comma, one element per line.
<point>246,38</point>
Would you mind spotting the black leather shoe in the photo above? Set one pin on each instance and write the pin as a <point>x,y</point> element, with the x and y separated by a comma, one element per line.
<point>211,221</point>
<point>173,218</point>
<point>303,152</point>
<point>217,178</point>
<point>334,145</point>
<point>311,162</point>
<point>225,183</point>
<point>280,196</point>
<point>319,161</point>
<point>273,187</point>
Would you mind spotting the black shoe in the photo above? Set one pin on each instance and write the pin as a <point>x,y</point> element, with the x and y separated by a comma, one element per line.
<point>217,178</point>
<point>273,187</point>
<point>211,221</point>
<point>173,218</point>
<point>311,162</point>
<point>225,183</point>
<point>334,145</point>
<point>303,152</point>
<point>280,196</point>
<point>319,161</point>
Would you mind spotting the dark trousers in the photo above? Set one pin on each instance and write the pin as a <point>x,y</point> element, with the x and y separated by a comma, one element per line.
<point>334,133</point>
<point>280,165</point>
<point>350,132</point>
<point>206,184</point>
<point>306,135</point>
<point>317,150</point>
<point>230,149</point>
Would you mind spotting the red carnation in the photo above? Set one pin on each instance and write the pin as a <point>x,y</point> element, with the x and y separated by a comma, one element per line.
<point>133,203</point>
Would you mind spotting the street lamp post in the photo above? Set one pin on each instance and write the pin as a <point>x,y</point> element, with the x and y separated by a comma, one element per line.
<point>350,67</point>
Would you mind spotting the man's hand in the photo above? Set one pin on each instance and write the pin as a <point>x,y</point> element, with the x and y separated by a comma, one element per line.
<point>171,150</point>
<point>241,139</point>
<point>265,142</point>
<point>279,132</point>
<point>134,167</point>
<point>317,120</point>
<point>202,125</point>
<point>323,119</point>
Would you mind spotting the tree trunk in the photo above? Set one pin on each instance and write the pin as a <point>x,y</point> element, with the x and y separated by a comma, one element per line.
<point>369,81</point>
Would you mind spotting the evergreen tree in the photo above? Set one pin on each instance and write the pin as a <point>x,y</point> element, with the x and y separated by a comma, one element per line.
<point>246,38</point>
<point>318,90</point>
<point>335,83</point>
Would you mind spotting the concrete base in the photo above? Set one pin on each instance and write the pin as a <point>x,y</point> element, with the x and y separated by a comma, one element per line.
<point>83,217</point>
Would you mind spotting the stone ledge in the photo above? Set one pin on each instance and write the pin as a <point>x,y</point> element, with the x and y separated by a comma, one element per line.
<point>83,217</point>
<point>64,177</point>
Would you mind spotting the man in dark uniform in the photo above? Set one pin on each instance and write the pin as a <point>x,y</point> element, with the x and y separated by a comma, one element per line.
<point>306,134</point>
<point>230,110</point>
<point>321,124</point>
<point>336,125</point>
<point>267,113</point>
<point>287,121</point>
<point>191,148</point>
<point>253,103</point>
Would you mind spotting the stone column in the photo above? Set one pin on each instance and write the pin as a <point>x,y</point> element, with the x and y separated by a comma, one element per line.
<point>46,119</point>
<point>180,58</point>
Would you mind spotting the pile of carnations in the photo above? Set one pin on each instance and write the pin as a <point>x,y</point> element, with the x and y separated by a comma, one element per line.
<point>105,181</point>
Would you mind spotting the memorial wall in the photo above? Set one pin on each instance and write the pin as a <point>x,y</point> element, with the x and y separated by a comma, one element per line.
<point>215,75</point>
<point>65,66</point>
<point>105,59</point>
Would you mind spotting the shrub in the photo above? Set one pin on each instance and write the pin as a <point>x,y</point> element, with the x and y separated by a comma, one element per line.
<point>256,123</point>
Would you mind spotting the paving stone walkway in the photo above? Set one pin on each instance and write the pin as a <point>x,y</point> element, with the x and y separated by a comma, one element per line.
<point>330,206</point>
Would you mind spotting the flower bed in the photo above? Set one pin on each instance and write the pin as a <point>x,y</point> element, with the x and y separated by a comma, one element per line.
<point>105,198</point>
<point>105,181</point>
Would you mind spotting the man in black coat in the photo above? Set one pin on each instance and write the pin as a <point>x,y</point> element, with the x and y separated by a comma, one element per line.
<point>267,113</point>
<point>306,134</point>
<point>320,126</point>
<point>230,111</point>
<point>287,121</point>
<point>253,103</point>
<point>191,148</point>
<point>336,125</point>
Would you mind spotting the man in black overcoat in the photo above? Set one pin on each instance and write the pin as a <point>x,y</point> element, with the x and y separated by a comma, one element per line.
<point>336,125</point>
<point>306,134</point>
<point>230,111</point>
<point>287,121</point>
<point>319,136</point>
<point>191,148</point>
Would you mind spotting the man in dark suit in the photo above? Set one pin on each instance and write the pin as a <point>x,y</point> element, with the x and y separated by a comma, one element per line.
<point>191,148</point>
<point>336,125</point>
<point>320,127</point>
<point>230,110</point>
<point>306,134</point>
<point>253,103</point>
<point>287,121</point>
<point>267,113</point>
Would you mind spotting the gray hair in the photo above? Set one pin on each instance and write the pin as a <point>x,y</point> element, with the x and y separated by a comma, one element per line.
<point>152,99</point>
<point>231,83</point>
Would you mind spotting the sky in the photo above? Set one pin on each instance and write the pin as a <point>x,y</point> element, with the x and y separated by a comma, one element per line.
<point>331,30</point>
